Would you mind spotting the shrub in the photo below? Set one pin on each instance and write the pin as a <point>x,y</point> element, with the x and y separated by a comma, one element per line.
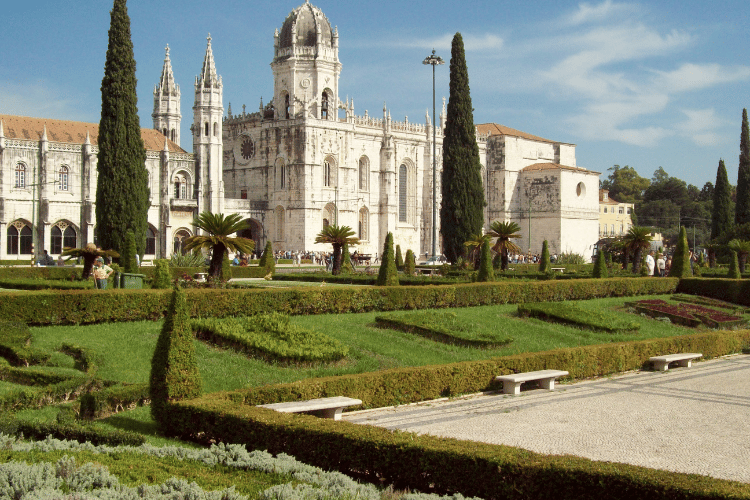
<point>600,266</point>
<point>108,401</point>
<point>399,259</point>
<point>162,276</point>
<point>734,266</point>
<point>486,273</point>
<point>681,258</point>
<point>346,260</point>
<point>570,258</point>
<point>544,264</point>
<point>83,433</point>
<point>174,368</point>
<point>267,261</point>
<point>189,259</point>
<point>445,327</point>
<point>410,263</point>
<point>128,262</point>
<point>388,274</point>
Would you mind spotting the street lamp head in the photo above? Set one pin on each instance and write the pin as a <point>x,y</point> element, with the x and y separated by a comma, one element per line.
<point>433,59</point>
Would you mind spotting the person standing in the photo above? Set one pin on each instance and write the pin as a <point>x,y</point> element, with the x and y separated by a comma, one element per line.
<point>661,266</point>
<point>101,272</point>
<point>650,263</point>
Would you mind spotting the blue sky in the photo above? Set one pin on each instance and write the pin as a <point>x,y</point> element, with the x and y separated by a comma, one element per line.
<point>640,84</point>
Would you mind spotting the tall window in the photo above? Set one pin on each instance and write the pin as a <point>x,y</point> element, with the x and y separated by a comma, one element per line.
<point>19,239</point>
<point>328,172</point>
<point>20,176</point>
<point>63,236</point>
<point>286,106</point>
<point>150,242</point>
<point>206,131</point>
<point>402,192</point>
<point>281,173</point>
<point>179,241</point>
<point>324,105</point>
<point>62,178</point>
<point>364,222</point>
<point>364,170</point>
<point>243,194</point>
<point>180,186</point>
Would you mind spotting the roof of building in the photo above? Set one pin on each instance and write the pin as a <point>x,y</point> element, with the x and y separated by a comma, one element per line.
<point>497,129</point>
<point>306,20</point>
<point>557,166</point>
<point>609,201</point>
<point>32,129</point>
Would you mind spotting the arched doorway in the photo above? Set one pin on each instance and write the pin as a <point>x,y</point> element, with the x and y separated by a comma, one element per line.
<point>254,232</point>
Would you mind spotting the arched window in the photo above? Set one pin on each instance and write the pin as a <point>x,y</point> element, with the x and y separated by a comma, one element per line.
<point>20,176</point>
<point>286,106</point>
<point>279,219</point>
<point>63,236</point>
<point>329,173</point>
<point>364,173</point>
<point>172,135</point>
<point>216,129</point>
<point>206,134</point>
<point>180,186</point>
<point>402,192</point>
<point>150,242</point>
<point>325,105</point>
<point>62,178</point>
<point>364,224</point>
<point>280,173</point>
<point>329,215</point>
<point>19,239</point>
<point>164,131</point>
<point>179,241</point>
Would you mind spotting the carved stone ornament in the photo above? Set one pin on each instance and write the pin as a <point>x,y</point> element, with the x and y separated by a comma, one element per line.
<point>244,149</point>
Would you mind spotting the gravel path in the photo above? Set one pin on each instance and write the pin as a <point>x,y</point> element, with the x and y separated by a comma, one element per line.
<point>694,420</point>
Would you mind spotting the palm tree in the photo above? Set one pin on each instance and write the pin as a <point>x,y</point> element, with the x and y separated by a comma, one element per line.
<point>89,253</point>
<point>637,240</point>
<point>218,240</point>
<point>504,231</point>
<point>474,246</point>
<point>743,249</point>
<point>338,236</point>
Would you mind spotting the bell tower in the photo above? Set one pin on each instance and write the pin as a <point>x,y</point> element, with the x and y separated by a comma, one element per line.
<point>208,113</point>
<point>166,113</point>
<point>306,66</point>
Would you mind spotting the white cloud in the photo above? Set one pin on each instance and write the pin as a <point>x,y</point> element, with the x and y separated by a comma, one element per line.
<point>701,126</point>
<point>587,13</point>
<point>482,42</point>
<point>697,77</point>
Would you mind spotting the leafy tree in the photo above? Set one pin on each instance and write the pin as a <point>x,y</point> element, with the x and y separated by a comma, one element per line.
<point>544,264</point>
<point>388,274</point>
<point>461,211</point>
<point>681,258</point>
<point>486,273</point>
<point>267,260</point>
<point>504,232</point>
<point>721,216</point>
<point>410,263</point>
<point>130,265</point>
<point>734,266</point>
<point>174,367</point>
<point>218,240</point>
<point>338,236</point>
<point>742,211</point>
<point>637,240</point>
<point>122,195</point>
<point>399,259</point>
<point>625,185</point>
<point>600,265</point>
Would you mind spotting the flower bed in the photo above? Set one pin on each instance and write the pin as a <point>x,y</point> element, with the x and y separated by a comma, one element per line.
<point>687,314</point>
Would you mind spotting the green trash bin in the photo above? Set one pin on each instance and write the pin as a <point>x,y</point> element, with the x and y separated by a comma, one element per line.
<point>132,281</point>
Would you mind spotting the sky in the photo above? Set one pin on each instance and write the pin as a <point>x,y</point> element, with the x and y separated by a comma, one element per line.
<point>649,85</point>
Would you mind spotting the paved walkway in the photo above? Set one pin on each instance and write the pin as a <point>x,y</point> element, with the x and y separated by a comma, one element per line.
<point>694,420</point>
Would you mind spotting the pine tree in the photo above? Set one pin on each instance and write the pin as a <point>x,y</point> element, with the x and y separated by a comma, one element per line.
<point>486,273</point>
<point>600,266</point>
<point>174,367</point>
<point>742,210</point>
<point>681,258</point>
<point>544,264</point>
<point>388,275</point>
<point>734,266</point>
<point>461,211</point>
<point>122,195</point>
<point>399,259</point>
<point>721,216</point>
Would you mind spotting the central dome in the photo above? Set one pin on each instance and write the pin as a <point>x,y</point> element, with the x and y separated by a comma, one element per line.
<point>303,24</point>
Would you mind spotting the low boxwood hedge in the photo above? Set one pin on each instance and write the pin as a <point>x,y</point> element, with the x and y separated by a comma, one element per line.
<point>573,315</point>
<point>729,290</point>
<point>448,465</point>
<point>93,306</point>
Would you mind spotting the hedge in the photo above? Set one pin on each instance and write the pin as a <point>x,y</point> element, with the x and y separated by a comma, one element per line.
<point>105,402</point>
<point>444,465</point>
<point>736,291</point>
<point>93,306</point>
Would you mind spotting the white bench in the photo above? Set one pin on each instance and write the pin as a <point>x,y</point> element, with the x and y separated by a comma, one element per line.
<point>322,407</point>
<point>661,363</point>
<point>559,269</point>
<point>512,383</point>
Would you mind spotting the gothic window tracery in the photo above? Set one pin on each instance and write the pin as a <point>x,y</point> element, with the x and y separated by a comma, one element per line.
<point>364,171</point>
<point>181,186</point>
<point>62,178</point>
<point>20,178</point>
<point>62,236</point>
<point>329,172</point>
<point>19,240</point>
<point>407,193</point>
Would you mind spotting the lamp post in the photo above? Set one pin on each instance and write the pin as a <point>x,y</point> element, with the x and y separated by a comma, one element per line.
<point>433,60</point>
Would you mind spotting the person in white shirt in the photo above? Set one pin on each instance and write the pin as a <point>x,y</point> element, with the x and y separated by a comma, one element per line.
<point>650,263</point>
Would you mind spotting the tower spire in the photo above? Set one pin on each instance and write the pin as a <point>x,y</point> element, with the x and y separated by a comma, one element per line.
<point>166,82</point>
<point>208,77</point>
<point>166,113</point>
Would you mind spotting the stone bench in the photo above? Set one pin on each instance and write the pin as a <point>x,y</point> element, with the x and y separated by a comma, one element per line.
<point>322,407</point>
<point>512,383</point>
<point>661,363</point>
<point>559,269</point>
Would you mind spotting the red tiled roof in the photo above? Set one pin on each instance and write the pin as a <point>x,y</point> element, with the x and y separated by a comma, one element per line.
<point>26,128</point>
<point>497,129</point>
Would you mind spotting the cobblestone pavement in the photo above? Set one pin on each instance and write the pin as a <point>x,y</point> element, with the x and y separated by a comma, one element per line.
<point>694,420</point>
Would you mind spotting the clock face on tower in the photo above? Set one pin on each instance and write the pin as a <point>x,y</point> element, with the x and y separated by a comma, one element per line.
<point>244,149</point>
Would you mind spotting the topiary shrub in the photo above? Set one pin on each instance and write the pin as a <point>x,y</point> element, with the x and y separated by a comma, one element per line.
<point>410,263</point>
<point>347,267</point>
<point>497,262</point>
<point>600,265</point>
<point>681,258</point>
<point>544,264</point>
<point>267,261</point>
<point>174,368</point>
<point>127,261</point>
<point>486,273</point>
<point>399,259</point>
<point>734,266</point>
<point>162,275</point>
<point>388,274</point>
<point>226,268</point>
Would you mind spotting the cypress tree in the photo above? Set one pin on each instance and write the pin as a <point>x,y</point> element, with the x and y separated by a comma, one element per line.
<point>174,367</point>
<point>734,266</point>
<point>544,264</point>
<point>410,263</point>
<point>600,266</point>
<point>122,195</point>
<point>267,261</point>
<point>387,275</point>
<point>162,275</point>
<point>742,211</point>
<point>486,273</point>
<point>399,259</point>
<point>681,258</point>
<point>721,215</point>
<point>461,211</point>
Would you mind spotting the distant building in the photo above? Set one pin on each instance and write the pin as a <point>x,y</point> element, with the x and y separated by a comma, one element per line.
<point>614,217</point>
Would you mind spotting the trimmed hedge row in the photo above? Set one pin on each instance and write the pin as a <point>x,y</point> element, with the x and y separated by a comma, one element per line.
<point>447,465</point>
<point>15,338</point>
<point>71,431</point>
<point>93,306</point>
<point>728,290</point>
<point>105,402</point>
<point>37,397</point>
<point>574,315</point>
